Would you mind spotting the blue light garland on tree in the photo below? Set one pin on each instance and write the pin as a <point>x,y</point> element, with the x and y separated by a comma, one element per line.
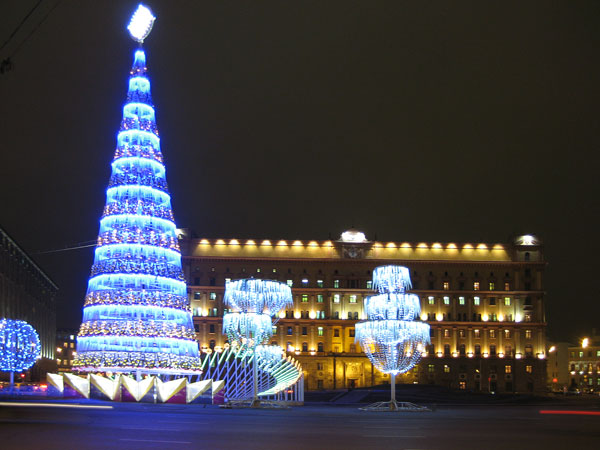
<point>19,345</point>
<point>136,315</point>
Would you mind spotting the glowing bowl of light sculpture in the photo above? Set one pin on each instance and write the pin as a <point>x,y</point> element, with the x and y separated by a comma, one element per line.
<point>19,345</point>
<point>258,296</point>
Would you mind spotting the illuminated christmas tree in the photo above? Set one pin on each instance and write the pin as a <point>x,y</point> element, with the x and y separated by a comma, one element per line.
<point>136,316</point>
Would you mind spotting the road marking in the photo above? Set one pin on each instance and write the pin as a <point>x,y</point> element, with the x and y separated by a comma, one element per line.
<point>56,405</point>
<point>392,436</point>
<point>154,440</point>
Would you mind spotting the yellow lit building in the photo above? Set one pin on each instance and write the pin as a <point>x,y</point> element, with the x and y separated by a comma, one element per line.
<point>584,365</point>
<point>484,302</point>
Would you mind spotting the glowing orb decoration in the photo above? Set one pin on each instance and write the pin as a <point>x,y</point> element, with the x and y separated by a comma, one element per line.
<point>19,345</point>
<point>141,23</point>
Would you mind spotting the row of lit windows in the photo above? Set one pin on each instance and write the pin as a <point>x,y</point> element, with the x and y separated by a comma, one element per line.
<point>589,354</point>
<point>477,333</point>
<point>476,301</point>
<point>368,284</point>
<point>492,369</point>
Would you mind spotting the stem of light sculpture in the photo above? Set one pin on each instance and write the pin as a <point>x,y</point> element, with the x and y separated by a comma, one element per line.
<point>392,338</point>
<point>254,301</point>
<point>136,315</point>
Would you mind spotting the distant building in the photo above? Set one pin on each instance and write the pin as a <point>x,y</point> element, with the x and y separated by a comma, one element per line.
<point>26,293</point>
<point>558,366</point>
<point>485,305</point>
<point>584,365</point>
<point>66,343</point>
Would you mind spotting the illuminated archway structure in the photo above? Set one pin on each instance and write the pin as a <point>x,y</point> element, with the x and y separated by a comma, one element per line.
<point>136,315</point>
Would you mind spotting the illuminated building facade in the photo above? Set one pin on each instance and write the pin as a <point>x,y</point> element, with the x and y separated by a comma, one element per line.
<point>66,340</point>
<point>484,303</point>
<point>26,293</point>
<point>584,365</point>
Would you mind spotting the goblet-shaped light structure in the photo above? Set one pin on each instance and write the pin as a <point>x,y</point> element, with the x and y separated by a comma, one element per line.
<point>253,302</point>
<point>392,338</point>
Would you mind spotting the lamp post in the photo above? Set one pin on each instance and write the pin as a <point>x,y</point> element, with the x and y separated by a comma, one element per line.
<point>253,302</point>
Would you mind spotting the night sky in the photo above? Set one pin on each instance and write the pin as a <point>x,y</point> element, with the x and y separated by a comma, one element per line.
<point>413,121</point>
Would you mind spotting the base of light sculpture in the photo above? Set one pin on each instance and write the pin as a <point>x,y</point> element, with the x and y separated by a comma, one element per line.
<point>394,406</point>
<point>256,403</point>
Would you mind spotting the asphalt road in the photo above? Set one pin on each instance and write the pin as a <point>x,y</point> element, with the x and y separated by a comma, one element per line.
<point>147,426</point>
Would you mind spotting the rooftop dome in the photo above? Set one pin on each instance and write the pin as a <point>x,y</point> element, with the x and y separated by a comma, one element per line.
<point>353,235</point>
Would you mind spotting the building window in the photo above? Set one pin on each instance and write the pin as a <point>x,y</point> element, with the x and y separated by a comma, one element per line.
<point>320,283</point>
<point>336,332</point>
<point>446,368</point>
<point>476,334</point>
<point>461,333</point>
<point>446,333</point>
<point>477,349</point>
<point>527,334</point>
<point>211,328</point>
<point>319,331</point>
<point>212,296</point>
<point>353,299</point>
<point>507,286</point>
<point>446,349</point>
<point>506,301</point>
<point>351,332</point>
<point>319,366</point>
<point>290,330</point>
<point>462,350</point>
<point>290,283</point>
<point>461,301</point>
<point>304,331</point>
<point>212,281</point>
<point>274,328</point>
<point>476,286</point>
<point>304,282</point>
<point>290,347</point>
<point>320,314</point>
<point>305,346</point>
<point>529,369</point>
<point>507,334</point>
<point>336,298</point>
<point>493,350</point>
<point>492,286</point>
<point>319,298</point>
<point>446,300</point>
<point>304,298</point>
<point>462,385</point>
<point>431,368</point>
<point>336,314</point>
<point>446,285</point>
<point>336,284</point>
<point>492,334</point>
<point>320,347</point>
<point>369,284</point>
<point>431,300</point>
<point>476,301</point>
<point>349,314</point>
<point>197,295</point>
<point>507,369</point>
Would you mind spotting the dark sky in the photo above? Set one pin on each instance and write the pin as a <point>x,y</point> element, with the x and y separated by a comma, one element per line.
<point>413,121</point>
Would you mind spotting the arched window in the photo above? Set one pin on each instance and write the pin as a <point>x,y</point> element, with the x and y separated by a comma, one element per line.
<point>305,346</point>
